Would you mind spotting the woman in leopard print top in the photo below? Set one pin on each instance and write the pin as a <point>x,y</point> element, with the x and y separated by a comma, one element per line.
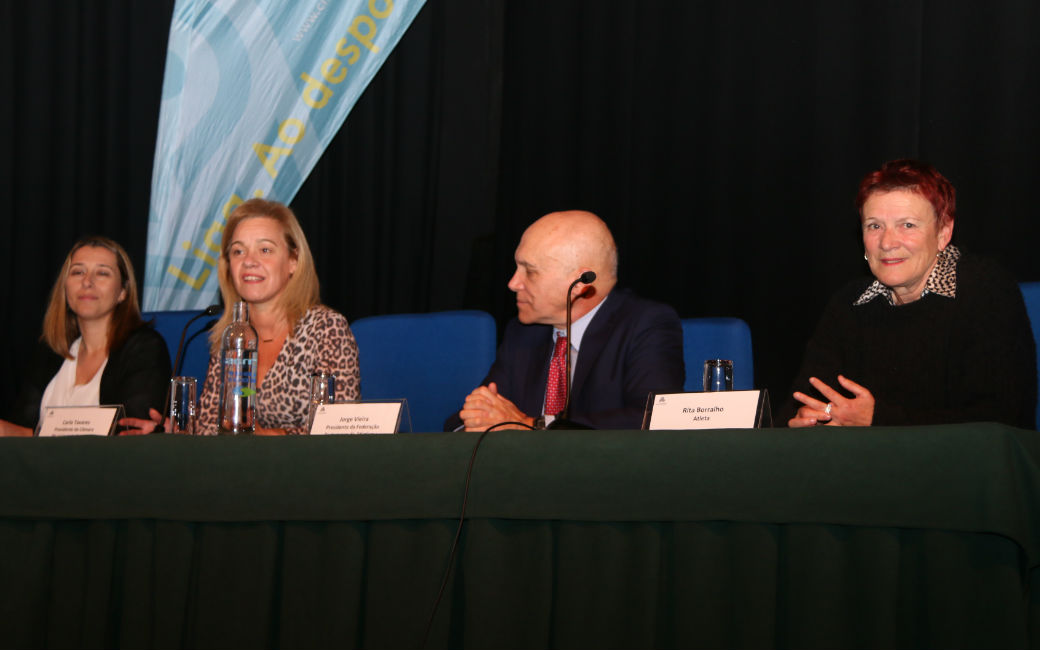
<point>320,340</point>
<point>265,261</point>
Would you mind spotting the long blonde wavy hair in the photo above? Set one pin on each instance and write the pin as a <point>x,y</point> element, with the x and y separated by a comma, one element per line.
<point>301,292</point>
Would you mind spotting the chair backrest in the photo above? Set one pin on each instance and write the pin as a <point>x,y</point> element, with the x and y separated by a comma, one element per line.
<point>433,360</point>
<point>1031,295</point>
<point>170,324</point>
<point>717,338</point>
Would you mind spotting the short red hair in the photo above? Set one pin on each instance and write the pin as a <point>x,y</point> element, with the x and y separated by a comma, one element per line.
<point>914,176</point>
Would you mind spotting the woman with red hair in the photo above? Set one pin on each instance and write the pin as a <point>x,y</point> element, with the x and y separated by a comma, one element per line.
<point>936,336</point>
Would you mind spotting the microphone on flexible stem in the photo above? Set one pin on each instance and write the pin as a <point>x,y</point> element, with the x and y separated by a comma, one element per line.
<point>212,310</point>
<point>561,422</point>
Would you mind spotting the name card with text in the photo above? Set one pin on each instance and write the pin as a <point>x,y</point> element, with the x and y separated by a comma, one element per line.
<point>733,409</point>
<point>78,421</point>
<point>356,417</point>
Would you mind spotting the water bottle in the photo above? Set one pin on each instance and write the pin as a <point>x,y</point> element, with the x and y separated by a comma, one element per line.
<point>238,363</point>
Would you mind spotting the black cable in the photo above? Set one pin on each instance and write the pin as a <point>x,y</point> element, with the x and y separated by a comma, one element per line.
<point>458,530</point>
<point>178,361</point>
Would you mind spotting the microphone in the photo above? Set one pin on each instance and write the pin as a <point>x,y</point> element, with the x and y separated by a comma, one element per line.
<point>212,310</point>
<point>561,422</point>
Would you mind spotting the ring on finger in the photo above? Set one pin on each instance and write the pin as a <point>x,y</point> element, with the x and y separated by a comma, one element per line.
<point>827,410</point>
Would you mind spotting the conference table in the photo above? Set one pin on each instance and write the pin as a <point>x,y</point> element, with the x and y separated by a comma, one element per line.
<point>861,537</point>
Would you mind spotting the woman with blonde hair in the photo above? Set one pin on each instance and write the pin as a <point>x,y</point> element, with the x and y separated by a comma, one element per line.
<point>95,349</point>
<point>265,262</point>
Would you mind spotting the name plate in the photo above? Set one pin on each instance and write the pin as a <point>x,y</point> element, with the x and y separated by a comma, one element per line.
<point>356,417</point>
<point>732,409</point>
<point>78,421</point>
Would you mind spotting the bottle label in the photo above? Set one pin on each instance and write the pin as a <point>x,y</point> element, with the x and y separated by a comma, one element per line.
<point>238,399</point>
<point>241,374</point>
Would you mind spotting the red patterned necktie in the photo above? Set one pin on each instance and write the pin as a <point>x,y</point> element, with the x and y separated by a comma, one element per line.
<point>556,388</point>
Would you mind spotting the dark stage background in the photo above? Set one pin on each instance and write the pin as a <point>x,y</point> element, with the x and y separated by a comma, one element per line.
<point>722,142</point>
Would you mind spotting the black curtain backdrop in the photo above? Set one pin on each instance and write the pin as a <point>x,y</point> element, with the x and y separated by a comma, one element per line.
<point>722,142</point>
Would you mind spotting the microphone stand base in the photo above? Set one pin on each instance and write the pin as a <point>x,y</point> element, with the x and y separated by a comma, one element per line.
<point>569,425</point>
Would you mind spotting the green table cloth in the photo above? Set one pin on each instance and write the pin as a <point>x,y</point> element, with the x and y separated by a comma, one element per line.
<point>859,537</point>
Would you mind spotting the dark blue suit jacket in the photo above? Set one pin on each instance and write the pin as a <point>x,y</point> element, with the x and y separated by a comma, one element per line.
<point>632,347</point>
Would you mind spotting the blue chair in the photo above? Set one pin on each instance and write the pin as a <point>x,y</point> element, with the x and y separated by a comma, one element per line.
<point>1031,295</point>
<point>433,360</point>
<point>196,344</point>
<point>717,338</point>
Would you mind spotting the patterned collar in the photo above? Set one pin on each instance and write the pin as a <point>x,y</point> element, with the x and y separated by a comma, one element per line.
<point>941,281</point>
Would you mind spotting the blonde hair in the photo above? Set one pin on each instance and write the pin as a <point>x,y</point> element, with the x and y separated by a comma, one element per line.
<point>60,326</point>
<point>300,293</point>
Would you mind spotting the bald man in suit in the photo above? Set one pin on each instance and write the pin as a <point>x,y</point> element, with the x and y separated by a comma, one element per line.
<point>623,347</point>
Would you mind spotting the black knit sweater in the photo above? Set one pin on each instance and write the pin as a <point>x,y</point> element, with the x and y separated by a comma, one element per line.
<point>935,360</point>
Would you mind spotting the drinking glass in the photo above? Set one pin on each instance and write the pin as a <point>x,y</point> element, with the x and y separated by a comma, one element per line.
<point>182,405</point>
<point>323,391</point>
<point>718,375</point>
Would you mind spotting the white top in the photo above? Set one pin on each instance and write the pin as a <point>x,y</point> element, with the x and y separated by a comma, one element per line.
<point>63,391</point>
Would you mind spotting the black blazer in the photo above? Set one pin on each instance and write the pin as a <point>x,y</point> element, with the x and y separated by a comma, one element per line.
<point>632,347</point>
<point>137,375</point>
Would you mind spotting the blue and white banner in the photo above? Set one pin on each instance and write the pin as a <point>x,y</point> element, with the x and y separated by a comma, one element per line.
<point>253,93</point>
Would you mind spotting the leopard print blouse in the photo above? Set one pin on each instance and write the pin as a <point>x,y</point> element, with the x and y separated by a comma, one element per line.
<point>321,340</point>
<point>941,281</point>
